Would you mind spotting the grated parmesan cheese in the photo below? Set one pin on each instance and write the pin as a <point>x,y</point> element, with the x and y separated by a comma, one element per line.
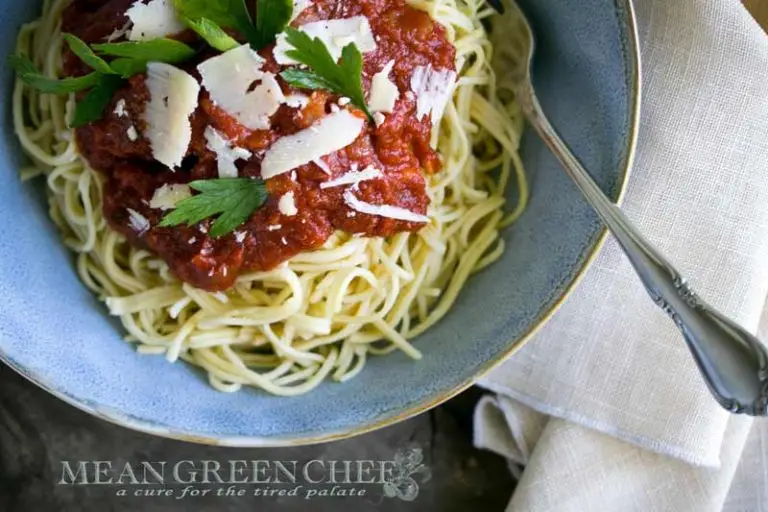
<point>382,210</point>
<point>137,222</point>
<point>433,89</point>
<point>287,204</point>
<point>379,118</point>
<point>229,78</point>
<point>353,177</point>
<point>120,109</point>
<point>335,34</point>
<point>239,236</point>
<point>297,100</point>
<point>332,133</point>
<point>274,227</point>
<point>226,153</point>
<point>166,197</point>
<point>384,93</point>
<point>153,20</point>
<point>173,98</point>
<point>133,135</point>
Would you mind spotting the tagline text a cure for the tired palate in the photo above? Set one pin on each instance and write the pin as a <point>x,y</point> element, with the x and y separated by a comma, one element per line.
<point>104,472</point>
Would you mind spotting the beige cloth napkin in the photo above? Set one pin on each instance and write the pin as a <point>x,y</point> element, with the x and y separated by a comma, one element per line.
<point>610,362</point>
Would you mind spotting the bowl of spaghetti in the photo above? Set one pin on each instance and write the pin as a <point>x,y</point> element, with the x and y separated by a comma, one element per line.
<point>276,222</point>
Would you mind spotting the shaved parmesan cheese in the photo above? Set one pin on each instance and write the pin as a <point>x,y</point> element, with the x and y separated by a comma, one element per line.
<point>287,205</point>
<point>384,93</point>
<point>322,165</point>
<point>120,109</point>
<point>332,133</point>
<point>166,197</point>
<point>300,6</point>
<point>297,100</point>
<point>229,78</point>
<point>353,177</point>
<point>335,34</point>
<point>433,89</point>
<point>382,210</point>
<point>173,98</point>
<point>137,222</point>
<point>133,135</point>
<point>226,153</point>
<point>153,20</point>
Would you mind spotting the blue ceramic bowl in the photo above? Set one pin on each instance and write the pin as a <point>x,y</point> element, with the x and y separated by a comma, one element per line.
<point>54,332</point>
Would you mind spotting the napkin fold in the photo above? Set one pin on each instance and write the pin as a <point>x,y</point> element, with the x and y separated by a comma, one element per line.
<point>605,406</point>
<point>571,468</point>
<point>610,360</point>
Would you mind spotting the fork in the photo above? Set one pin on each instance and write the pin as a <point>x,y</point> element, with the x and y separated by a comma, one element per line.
<point>733,362</point>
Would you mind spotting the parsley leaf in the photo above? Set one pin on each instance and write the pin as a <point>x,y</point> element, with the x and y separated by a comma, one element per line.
<point>344,78</point>
<point>272,17</point>
<point>132,58</point>
<point>85,54</point>
<point>212,33</point>
<point>92,106</point>
<point>233,199</point>
<point>126,67</point>
<point>224,13</point>
<point>28,74</point>
<point>160,50</point>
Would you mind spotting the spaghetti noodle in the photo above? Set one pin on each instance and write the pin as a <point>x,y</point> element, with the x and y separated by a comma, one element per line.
<point>321,314</point>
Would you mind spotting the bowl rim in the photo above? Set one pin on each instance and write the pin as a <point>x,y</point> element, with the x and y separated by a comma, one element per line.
<point>114,416</point>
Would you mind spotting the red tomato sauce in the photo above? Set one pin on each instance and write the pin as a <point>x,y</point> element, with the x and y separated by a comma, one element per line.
<point>399,148</point>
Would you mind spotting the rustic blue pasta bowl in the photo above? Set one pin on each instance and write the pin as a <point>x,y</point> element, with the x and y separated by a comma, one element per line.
<point>58,335</point>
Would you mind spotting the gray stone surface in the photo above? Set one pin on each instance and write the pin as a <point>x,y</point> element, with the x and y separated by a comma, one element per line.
<point>38,432</point>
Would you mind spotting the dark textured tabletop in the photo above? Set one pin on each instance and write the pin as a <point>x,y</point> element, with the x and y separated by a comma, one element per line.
<point>38,434</point>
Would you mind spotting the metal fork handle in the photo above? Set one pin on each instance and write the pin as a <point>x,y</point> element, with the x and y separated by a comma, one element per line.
<point>732,361</point>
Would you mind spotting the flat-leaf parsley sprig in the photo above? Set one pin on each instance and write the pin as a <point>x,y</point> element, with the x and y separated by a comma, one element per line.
<point>107,77</point>
<point>208,17</point>
<point>344,77</point>
<point>213,34</point>
<point>233,199</point>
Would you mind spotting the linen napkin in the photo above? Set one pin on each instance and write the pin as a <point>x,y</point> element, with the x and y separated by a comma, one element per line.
<point>610,367</point>
<point>573,468</point>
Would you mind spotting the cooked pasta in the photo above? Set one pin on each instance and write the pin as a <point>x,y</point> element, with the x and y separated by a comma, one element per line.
<point>323,313</point>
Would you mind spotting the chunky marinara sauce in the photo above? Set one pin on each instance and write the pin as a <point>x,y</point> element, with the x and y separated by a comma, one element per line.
<point>399,148</point>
